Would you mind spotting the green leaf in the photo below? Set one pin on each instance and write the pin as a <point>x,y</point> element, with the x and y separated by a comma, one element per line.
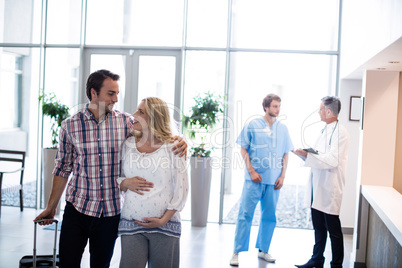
<point>56,111</point>
<point>203,115</point>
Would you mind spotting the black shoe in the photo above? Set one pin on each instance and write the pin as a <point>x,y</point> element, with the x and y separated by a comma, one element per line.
<point>312,264</point>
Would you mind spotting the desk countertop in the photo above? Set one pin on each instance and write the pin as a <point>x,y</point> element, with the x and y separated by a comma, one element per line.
<point>387,203</point>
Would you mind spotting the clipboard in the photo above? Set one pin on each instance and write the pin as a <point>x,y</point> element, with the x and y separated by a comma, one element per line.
<point>310,150</point>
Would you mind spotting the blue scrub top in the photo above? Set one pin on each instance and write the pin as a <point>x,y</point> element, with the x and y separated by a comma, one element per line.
<point>266,147</point>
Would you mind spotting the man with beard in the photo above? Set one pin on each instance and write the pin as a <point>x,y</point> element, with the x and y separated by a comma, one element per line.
<point>265,146</point>
<point>89,151</point>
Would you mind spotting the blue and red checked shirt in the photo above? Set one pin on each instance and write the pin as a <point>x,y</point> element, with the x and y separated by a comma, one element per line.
<point>89,151</point>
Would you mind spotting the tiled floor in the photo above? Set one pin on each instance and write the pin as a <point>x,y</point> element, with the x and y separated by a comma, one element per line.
<point>207,247</point>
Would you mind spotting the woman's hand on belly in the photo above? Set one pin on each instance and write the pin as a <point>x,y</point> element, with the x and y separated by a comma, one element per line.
<point>136,184</point>
<point>157,222</point>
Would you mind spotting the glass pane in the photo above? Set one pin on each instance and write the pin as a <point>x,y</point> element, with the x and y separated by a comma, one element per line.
<point>205,72</point>
<point>155,23</point>
<point>19,73</point>
<point>24,16</point>
<point>156,78</point>
<point>211,32</point>
<point>140,22</point>
<point>287,24</point>
<point>10,89</point>
<point>301,81</point>
<point>63,22</point>
<point>61,78</point>
<point>116,64</point>
<point>100,30</point>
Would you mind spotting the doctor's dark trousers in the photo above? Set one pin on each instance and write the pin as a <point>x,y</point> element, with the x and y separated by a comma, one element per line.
<point>323,223</point>
<point>251,195</point>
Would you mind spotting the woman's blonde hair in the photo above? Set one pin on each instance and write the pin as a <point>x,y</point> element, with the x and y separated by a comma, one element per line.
<point>159,118</point>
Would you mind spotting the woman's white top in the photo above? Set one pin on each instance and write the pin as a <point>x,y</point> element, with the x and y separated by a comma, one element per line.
<point>168,173</point>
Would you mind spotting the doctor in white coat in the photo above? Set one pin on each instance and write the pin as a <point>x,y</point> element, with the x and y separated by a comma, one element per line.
<point>326,183</point>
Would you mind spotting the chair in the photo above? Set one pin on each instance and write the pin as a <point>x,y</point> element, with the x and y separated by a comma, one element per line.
<point>12,156</point>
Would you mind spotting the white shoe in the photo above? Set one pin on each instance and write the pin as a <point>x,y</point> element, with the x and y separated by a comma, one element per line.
<point>266,257</point>
<point>234,261</point>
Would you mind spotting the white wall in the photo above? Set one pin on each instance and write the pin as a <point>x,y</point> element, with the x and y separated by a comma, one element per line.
<point>350,88</point>
<point>368,26</point>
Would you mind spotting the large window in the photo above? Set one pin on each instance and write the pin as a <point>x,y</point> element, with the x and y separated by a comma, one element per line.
<point>178,49</point>
<point>136,22</point>
<point>205,72</point>
<point>19,88</point>
<point>285,24</point>
<point>300,80</point>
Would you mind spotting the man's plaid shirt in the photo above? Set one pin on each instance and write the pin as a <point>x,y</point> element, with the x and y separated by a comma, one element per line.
<point>90,152</point>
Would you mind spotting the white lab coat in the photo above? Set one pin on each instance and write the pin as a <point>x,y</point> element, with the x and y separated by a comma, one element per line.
<point>328,169</point>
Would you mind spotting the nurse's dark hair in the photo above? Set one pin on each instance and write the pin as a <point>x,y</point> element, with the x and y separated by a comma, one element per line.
<point>333,103</point>
<point>95,80</point>
<point>266,102</point>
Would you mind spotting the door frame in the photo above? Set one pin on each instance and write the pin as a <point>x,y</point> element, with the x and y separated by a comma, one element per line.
<point>132,72</point>
<point>87,64</point>
<point>132,95</point>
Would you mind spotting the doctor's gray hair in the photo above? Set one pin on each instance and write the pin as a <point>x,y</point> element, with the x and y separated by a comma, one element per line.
<point>333,103</point>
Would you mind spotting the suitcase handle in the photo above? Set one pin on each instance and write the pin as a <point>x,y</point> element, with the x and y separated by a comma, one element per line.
<point>43,220</point>
<point>55,241</point>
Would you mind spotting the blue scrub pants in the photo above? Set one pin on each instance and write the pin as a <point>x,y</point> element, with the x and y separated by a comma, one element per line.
<point>252,193</point>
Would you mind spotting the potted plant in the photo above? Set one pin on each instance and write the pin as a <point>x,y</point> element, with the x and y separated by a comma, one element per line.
<point>57,112</point>
<point>198,126</point>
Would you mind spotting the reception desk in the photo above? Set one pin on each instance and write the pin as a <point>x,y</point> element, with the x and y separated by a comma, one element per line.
<point>382,226</point>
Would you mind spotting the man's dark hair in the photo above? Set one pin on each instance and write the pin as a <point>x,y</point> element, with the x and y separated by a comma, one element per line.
<point>268,99</point>
<point>333,103</point>
<point>95,80</point>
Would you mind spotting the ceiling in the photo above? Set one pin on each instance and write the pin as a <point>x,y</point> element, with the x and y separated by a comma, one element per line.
<point>389,59</point>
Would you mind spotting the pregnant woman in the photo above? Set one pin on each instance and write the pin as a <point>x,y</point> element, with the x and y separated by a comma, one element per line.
<point>154,183</point>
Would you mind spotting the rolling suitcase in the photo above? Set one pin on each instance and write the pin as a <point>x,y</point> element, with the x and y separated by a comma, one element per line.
<point>41,260</point>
